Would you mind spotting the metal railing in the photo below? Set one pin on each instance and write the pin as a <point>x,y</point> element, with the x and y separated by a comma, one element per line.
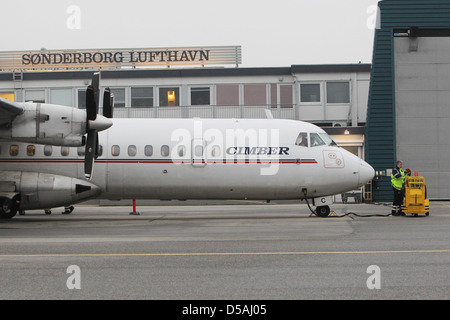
<point>227,112</point>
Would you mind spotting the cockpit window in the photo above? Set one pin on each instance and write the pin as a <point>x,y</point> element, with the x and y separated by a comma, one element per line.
<point>325,137</point>
<point>316,140</point>
<point>321,139</point>
<point>302,139</point>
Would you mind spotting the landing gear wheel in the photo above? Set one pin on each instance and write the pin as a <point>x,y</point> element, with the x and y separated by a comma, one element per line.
<point>323,211</point>
<point>8,207</point>
<point>68,210</point>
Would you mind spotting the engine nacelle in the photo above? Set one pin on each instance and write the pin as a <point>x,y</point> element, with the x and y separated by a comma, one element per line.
<point>48,124</point>
<point>44,191</point>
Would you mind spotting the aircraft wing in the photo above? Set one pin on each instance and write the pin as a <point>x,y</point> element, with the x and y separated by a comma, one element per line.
<point>8,111</point>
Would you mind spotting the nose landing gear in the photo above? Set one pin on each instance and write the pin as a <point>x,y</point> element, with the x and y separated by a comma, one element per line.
<point>323,211</point>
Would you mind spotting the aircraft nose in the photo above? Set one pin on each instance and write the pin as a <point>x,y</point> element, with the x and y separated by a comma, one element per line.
<point>366,172</point>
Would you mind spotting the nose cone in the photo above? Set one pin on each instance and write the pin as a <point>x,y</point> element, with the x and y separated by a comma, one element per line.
<point>366,173</point>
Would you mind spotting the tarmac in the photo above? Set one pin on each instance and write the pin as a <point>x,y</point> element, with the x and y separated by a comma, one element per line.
<point>226,252</point>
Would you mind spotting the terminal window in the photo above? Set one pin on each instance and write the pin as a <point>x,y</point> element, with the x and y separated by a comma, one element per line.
<point>119,97</point>
<point>338,92</point>
<point>169,97</point>
<point>255,95</point>
<point>227,95</point>
<point>142,97</point>
<point>200,96</point>
<point>310,92</point>
<point>81,97</point>
<point>37,96</point>
<point>286,96</point>
<point>61,97</point>
<point>281,95</point>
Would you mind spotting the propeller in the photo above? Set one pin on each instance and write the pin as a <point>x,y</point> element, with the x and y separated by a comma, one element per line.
<point>95,122</point>
<point>108,103</point>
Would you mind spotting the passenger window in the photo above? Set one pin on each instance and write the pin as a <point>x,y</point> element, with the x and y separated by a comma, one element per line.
<point>198,151</point>
<point>215,152</point>
<point>302,139</point>
<point>316,140</point>
<point>132,150</point>
<point>181,151</point>
<point>148,150</point>
<point>31,150</point>
<point>65,151</point>
<point>115,150</point>
<point>100,150</point>
<point>14,150</point>
<point>81,151</point>
<point>48,150</point>
<point>165,150</point>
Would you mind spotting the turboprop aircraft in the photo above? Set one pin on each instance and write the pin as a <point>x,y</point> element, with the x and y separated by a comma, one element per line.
<point>47,155</point>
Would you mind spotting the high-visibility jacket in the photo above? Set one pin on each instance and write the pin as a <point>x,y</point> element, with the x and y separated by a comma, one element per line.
<point>398,177</point>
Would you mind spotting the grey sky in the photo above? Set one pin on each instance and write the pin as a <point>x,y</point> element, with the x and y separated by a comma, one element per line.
<point>272,33</point>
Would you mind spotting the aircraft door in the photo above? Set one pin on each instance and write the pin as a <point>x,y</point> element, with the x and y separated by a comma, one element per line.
<point>198,153</point>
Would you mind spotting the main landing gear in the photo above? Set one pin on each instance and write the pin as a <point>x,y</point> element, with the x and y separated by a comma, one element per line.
<point>9,207</point>
<point>67,210</point>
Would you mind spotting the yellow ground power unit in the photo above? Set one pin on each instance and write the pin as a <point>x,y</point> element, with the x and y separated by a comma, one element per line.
<point>416,201</point>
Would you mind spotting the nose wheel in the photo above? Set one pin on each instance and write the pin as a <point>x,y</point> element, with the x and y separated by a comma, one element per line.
<point>323,211</point>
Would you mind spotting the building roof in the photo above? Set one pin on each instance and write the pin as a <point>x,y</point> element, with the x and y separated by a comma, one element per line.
<point>184,73</point>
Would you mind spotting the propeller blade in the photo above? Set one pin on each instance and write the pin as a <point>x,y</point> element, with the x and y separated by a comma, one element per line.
<point>108,102</point>
<point>95,123</point>
<point>112,101</point>
<point>90,153</point>
<point>92,97</point>
<point>96,86</point>
<point>97,148</point>
<point>91,106</point>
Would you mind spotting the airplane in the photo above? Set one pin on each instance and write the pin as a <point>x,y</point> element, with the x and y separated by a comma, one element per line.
<point>47,156</point>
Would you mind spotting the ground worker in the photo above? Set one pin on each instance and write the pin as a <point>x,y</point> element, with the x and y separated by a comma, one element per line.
<point>398,177</point>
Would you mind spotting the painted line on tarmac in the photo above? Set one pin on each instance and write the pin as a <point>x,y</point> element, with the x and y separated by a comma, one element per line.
<point>213,254</point>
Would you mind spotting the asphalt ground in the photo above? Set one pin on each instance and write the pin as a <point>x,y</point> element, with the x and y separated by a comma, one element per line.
<point>225,253</point>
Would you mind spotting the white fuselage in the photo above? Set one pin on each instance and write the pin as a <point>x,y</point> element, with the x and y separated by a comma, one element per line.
<point>203,159</point>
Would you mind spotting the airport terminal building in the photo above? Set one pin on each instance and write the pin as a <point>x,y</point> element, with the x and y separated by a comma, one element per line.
<point>203,82</point>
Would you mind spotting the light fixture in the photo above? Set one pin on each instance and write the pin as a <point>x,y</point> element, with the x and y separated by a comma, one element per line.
<point>171,98</point>
<point>346,132</point>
